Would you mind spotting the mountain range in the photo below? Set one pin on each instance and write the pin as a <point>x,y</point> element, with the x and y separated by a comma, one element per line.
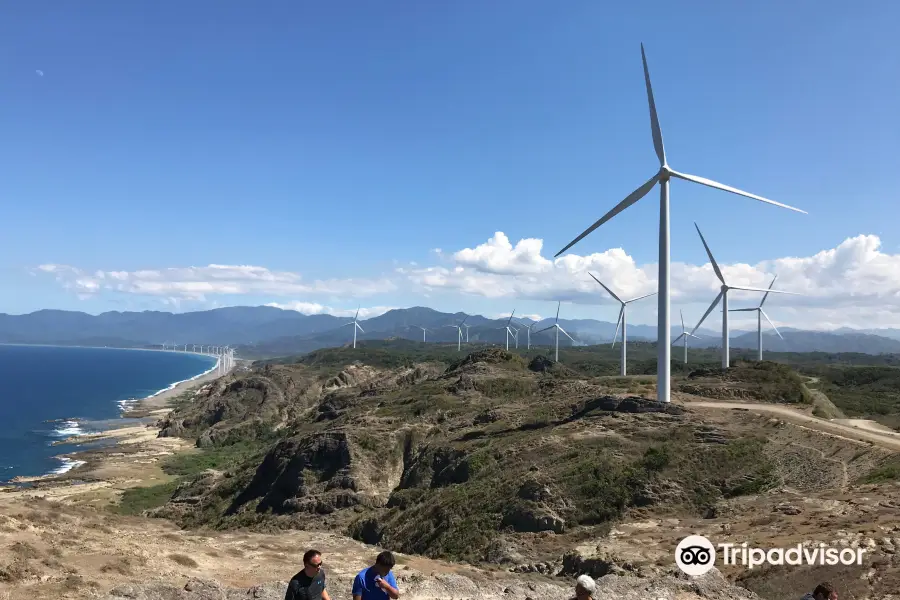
<point>269,331</point>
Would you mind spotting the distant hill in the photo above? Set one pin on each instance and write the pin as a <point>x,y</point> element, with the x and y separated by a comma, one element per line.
<point>268,331</point>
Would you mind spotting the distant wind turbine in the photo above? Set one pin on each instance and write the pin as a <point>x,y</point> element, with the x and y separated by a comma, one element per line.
<point>467,332</point>
<point>458,327</point>
<point>760,313</point>
<point>508,329</point>
<point>528,332</point>
<point>723,296</point>
<point>558,329</point>
<point>424,329</point>
<point>622,320</point>
<point>665,173</point>
<point>684,336</point>
<point>356,325</point>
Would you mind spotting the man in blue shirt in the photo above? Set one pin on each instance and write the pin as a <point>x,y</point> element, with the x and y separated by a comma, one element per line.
<point>377,582</point>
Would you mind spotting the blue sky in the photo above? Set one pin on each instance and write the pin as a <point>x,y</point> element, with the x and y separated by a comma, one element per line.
<point>335,143</point>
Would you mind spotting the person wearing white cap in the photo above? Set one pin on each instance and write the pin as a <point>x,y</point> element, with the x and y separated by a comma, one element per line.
<point>584,588</point>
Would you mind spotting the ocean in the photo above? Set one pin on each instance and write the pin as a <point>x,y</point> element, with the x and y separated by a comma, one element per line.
<point>49,393</point>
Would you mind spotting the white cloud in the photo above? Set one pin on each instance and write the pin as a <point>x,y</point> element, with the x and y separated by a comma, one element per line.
<point>312,308</point>
<point>854,284</point>
<point>850,284</point>
<point>196,283</point>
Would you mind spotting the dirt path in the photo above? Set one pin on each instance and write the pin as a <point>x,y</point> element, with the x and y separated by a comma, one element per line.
<point>885,440</point>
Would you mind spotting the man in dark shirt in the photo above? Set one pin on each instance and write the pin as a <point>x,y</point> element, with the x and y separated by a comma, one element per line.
<point>308,584</point>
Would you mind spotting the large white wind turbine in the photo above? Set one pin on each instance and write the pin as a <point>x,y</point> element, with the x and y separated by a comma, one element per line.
<point>458,328</point>
<point>662,177</point>
<point>467,332</point>
<point>509,331</point>
<point>760,313</point>
<point>558,329</point>
<point>684,336</point>
<point>356,325</point>
<point>622,320</point>
<point>723,296</point>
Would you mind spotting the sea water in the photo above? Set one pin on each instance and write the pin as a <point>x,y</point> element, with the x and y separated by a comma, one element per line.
<point>50,393</point>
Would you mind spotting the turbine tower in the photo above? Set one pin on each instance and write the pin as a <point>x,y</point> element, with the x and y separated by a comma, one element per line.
<point>558,329</point>
<point>684,335</point>
<point>723,296</point>
<point>459,327</point>
<point>665,173</point>
<point>508,329</point>
<point>622,320</point>
<point>467,332</point>
<point>356,325</point>
<point>760,313</point>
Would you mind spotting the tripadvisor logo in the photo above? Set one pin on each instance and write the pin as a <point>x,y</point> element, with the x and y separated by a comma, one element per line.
<point>696,555</point>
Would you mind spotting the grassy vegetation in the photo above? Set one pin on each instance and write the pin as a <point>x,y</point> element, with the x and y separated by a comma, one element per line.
<point>861,391</point>
<point>135,501</point>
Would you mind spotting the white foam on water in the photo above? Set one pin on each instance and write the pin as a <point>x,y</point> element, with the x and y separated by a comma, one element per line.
<point>67,429</point>
<point>67,465</point>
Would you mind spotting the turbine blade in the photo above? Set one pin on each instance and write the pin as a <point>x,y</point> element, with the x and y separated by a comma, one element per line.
<point>679,337</point>
<point>742,309</point>
<point>681,312</point>
<point>763,301</point>
<point>631,199</point>
<point>771,323</point>
<point>654,120</point>
<point>708,310</point>
<point>357,313</point>
<point>566,334</point>
<point>640,298</point>
<point>727,188</point>
<point>604,287</point>
<point>545,329</point>
<point>558,305</point>
<point>767,291</point>
<point>360,328</point>
<point>508,321</point>
<point>463,321</point>
<point>618,323</point>
<point>712,260</point>
<point>694,336</point>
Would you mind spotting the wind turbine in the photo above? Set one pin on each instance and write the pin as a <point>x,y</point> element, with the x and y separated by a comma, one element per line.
<point>459,327</point>
<point>508,329</point>
<point>622,320</point>
<point>356,325</point>
<point>424,329</point>
<point>723,296</point>
<point>684,335</point>
<point>760,313</point>
<point>528,332</point>
<point>467,332</point>
<point>558,329</point>
<point>665,173</point>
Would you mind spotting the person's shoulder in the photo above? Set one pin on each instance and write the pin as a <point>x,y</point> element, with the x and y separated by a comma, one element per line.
<point>362,574</point>
<point>299,576</point>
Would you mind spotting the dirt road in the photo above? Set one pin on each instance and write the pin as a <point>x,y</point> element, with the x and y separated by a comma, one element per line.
<point>884,440</point>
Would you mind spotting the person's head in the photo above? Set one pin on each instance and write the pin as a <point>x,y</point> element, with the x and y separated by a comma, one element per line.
<point>384,562</point>
<point>312,562</point>
<point>584,587</point>
<point>825,591</point>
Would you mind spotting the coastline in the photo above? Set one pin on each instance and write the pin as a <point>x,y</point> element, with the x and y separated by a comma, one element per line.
<point>127,456</point>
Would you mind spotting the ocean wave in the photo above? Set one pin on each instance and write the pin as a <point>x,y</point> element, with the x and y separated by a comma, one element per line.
<point>68,428</point>
<point>67,465</point>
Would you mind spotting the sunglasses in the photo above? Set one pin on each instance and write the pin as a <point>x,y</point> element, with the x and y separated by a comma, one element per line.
<point>314,565</point>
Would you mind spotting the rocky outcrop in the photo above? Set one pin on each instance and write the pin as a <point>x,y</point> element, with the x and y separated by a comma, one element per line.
<point>627,404</point>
